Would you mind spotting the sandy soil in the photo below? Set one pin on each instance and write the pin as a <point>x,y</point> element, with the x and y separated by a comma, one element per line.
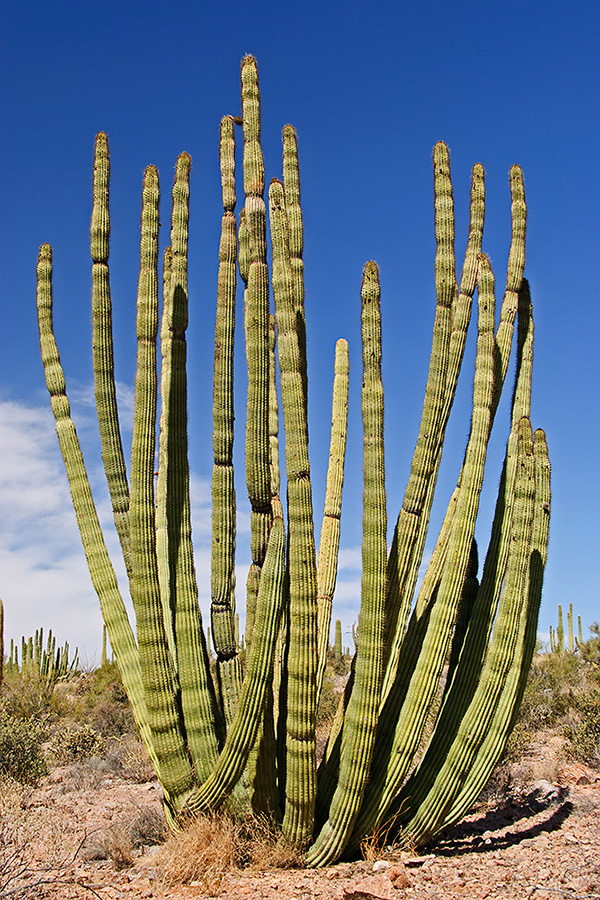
<point>540,842</point>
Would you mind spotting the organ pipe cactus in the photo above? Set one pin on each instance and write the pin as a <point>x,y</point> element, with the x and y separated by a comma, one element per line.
<point>436,680</point>
<point>46,660</point>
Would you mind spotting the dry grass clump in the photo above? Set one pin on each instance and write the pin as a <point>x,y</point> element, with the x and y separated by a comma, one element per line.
<point>122,841</point>
<point>215,845</point>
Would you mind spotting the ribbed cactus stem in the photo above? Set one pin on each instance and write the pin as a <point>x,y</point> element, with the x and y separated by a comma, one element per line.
<point>449,335</point>
<point>337,644</point>
<point>103,355</point>
<point>256,319</point>
<point>203,725</point>
<point>405,712</point>
<point>570,638</point>
<point>158,668</point>
<point>291,189</point>
<point>330,529</point>
<point>361,714</point>
<point>101,571</point>
<point>302,660</point>
<point>485,723</point>
<point>223,490</point>
<point>560,632</point>
<point>242,734</point>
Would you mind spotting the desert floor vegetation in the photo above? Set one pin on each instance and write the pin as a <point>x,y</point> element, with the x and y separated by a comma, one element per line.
<point>81,812</point>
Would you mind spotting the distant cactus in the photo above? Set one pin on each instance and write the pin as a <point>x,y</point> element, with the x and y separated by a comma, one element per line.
<point>47,661</point>
<point>557,638</point>
<point>337,646</point>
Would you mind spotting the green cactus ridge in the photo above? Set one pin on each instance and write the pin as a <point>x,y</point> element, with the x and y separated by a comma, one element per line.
<point>437,678</point>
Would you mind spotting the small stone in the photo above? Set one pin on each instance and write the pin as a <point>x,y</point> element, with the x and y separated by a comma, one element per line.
<point>381,865</point>
<point>399,876</point>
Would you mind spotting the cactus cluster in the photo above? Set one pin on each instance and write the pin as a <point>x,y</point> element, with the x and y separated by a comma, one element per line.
<point>45,659</point>
<point>436,680</point>
<point>557,638</point>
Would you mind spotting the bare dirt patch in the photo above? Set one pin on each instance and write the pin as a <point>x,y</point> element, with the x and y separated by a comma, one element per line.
<point>86,832</point>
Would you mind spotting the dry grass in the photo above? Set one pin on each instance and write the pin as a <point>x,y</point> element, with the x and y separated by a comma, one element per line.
<point>122,841</point>
<point>215,845</point>
<point>22,875</point>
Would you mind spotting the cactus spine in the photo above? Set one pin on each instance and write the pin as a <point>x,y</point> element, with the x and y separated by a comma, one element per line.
<point>456,658</point>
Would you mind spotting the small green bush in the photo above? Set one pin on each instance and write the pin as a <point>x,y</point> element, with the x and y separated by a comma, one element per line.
<point>583,729</point>
<point>74,744</point>
<point>21,755</point>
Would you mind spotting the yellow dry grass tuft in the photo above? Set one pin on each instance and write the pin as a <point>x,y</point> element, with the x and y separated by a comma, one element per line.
<point>215,845</point>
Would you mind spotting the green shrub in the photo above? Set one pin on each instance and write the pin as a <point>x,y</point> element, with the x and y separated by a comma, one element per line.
<point>104,702</point>
<point>21,755</point>
<point>26,695</point>
<point>583,729</point>
<point>74,744</point>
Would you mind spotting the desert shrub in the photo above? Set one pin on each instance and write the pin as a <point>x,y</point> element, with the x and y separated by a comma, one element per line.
<point>111,719</point>
<point>103,702</point>
<point>121,841</point>
<point>583,729</point>
<point>75,744</point>
<point>328,702</point>
<point>127,757</point>
<point>26,695</point>
<point>21,754</point>
<point>590,649</point>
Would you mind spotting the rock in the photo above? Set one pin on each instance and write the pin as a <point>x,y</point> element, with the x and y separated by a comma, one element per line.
<point>576,773</point>
<point>381,865</point>
<point>544,793</point>
<point>399,876</point>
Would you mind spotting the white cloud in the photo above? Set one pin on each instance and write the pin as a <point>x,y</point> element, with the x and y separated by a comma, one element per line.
<point>44,580</point>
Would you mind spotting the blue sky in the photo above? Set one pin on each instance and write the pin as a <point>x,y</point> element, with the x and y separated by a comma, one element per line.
<point>370,88</point>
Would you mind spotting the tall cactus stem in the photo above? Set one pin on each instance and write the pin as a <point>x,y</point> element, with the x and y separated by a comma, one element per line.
<point>330,529</point>
<point>361,714</point>
<point>256,319</point>
<point>101,570</point>
<point>302,658</point>
<point>223,490</point>
<point>103,354</point>
<point>203,725</point>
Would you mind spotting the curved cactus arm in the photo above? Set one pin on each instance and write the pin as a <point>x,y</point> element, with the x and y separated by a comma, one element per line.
<point>302,657</point>
<point>223,490</point>
<point>361,714</point>
<point>469,683</point>
<point>405,711</point>
<point>329,543</point>
<point>472,730</point>
<point>256,317</point>
<point>241,736</point>
<point>102,344</point>
<point>452,318</point>
<point>158,670</point>
<point>508,709</point>
<point>99,564</point>
<point>203,725</point>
